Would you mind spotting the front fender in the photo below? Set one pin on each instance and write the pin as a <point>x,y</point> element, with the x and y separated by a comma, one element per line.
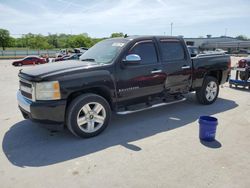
<point>86,80</point>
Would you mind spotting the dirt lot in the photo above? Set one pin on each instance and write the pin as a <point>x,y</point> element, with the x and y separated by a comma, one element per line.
<point>155,148</point>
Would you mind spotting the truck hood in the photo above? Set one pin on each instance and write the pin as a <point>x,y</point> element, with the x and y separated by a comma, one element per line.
<point>41,71</point>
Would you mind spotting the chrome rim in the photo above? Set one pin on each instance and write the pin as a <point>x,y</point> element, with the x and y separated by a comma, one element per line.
<point>211,91</point>
<point>91,117</point>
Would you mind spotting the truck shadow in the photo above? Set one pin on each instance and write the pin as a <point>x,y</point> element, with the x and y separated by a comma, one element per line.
<point>26,144</point>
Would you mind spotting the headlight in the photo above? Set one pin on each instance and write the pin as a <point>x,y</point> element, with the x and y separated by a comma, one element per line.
<point>48,90</point>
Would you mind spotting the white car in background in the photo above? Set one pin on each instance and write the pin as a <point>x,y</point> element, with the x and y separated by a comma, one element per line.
<point>80,50</point>
<point>61,53</point>
<point>64,52</point>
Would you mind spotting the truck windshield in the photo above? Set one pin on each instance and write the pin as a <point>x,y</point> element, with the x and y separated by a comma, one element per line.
<point>104,52</point>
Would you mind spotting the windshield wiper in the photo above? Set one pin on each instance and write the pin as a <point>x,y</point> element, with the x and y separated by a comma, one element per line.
<point>88,59</point>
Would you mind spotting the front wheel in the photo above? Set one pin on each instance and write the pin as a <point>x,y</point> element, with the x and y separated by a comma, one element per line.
<point>209,91</point>
<point>88,115</point>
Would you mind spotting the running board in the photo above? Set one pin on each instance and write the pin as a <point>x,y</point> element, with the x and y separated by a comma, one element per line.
<point>150,107</point>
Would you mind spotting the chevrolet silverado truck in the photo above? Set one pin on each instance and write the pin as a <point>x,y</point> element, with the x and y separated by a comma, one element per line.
<point>120,75</point>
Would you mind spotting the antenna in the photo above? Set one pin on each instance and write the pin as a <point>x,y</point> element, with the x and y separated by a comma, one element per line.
<point>171,28</point>
<point>225,32</point>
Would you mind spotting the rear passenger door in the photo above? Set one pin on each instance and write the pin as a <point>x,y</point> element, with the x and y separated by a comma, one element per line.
<point>176,64</point>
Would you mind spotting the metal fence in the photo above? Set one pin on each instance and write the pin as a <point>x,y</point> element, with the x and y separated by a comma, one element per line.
<point>23,53</point>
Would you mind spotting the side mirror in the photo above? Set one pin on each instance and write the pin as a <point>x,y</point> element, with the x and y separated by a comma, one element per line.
<point>193,55</point>
<point>132,59</point>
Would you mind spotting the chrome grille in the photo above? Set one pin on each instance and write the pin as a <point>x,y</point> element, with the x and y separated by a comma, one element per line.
<point>26,88</point>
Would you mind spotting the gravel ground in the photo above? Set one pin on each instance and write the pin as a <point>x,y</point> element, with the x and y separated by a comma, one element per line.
<point>154,148</point>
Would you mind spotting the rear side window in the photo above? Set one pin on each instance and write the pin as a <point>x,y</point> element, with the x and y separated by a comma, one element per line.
<point>147,52</point>
<point>171,50</point>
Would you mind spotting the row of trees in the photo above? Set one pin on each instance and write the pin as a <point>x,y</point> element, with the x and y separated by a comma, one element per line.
<point>38,41</point>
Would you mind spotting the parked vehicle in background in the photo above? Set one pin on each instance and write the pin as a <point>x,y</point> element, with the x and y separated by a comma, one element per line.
<point>241,52</point>
<point>60,58</point>
<point>72,57</point>
<point>193,51</point>
<point>214,52</point>
<point>61,53</point>
<point>80,50</point>
<point>244,51</point>
<point>218,50</point>
<point>68,57</point>
<point>29,60</point>
<point>244,64</point>
<point>64,52</point>
<point>123,75</point>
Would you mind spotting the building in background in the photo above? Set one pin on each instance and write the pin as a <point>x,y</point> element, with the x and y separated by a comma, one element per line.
<point>229,44</point>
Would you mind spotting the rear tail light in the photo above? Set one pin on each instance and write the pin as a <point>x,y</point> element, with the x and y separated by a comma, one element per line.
<point>242,63</point>
<point>229,64</point>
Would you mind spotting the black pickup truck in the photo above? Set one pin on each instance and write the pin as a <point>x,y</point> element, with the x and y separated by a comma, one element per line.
<point>123,75</point>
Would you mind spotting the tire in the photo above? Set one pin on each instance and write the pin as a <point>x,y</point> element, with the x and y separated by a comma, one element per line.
<point>88,115</point>
<point>19,64</point>
<point>243,76</point>
<point>209,91</point>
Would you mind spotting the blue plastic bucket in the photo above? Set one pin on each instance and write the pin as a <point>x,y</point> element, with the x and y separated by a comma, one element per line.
<point>208,126</point>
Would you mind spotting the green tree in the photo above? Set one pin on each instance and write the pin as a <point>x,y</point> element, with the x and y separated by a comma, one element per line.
<point>53,40</point>
<point>36,41</point>
<point>113,35</point>
<point>76,41</point>
<point>4,38</point>
<point>241,37</point>
<point>63,41</point>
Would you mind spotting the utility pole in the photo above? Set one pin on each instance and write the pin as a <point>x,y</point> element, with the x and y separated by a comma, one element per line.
<point>225,32</point>
<point>171,28</point>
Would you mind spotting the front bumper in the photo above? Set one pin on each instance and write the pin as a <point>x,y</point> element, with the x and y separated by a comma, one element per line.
<point>42,111</point>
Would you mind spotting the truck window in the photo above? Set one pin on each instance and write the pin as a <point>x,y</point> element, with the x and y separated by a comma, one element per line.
<point>171,50</point>
<point>147,52</point>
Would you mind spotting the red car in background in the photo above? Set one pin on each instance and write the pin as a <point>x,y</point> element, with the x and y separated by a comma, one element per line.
<point>29,60</point>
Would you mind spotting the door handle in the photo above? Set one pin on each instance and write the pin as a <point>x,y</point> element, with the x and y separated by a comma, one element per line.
<point>185,67</point>
<point>156,71</point>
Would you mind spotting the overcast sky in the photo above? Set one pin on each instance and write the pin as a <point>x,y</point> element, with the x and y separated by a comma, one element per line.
<point>190,18</point>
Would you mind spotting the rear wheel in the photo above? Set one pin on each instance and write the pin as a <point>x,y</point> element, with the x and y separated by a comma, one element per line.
<point>88,115</point>
<point>209,91</point>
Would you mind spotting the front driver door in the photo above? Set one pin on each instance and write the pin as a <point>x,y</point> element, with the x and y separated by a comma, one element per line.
<point>143,79</point>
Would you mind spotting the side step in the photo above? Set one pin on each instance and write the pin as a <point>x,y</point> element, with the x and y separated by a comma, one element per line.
<point>150,107</point>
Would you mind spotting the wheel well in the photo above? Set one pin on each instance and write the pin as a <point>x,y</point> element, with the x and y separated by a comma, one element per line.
<point>102,91</point>
<point>216,74</point>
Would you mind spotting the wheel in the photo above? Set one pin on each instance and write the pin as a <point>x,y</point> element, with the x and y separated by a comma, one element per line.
<point>243,76</point>
<point>88,115</point>
<point>19,64</point>
<point>209,91</point>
